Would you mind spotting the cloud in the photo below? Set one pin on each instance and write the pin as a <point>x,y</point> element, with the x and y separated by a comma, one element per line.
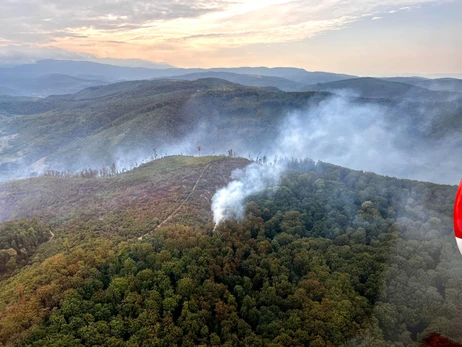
<point>26,54</point>
<point>277,34</point>
<point>40,20</point>
<point>178,28</point>
<point>4,42</point>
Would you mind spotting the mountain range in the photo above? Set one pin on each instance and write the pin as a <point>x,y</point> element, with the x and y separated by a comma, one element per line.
<point>123,122</point>
<point>369,87</point>
<point>227,207</point>
<point>58,77</point>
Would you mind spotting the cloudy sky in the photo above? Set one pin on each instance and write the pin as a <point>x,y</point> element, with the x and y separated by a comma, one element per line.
<point>366,37</point>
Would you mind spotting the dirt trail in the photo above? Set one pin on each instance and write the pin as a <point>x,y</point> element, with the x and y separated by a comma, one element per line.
<point>52,235</point>
<point>174,213</point>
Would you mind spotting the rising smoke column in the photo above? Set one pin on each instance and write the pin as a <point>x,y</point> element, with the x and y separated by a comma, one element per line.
<point>228,202</point>
<point>336,130</point>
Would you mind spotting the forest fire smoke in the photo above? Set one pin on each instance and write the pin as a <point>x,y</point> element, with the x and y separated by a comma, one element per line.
<point>228,202</point>
<point>337,130</point>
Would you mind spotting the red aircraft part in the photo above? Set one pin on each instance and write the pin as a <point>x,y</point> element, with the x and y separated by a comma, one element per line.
<point>458,217</point>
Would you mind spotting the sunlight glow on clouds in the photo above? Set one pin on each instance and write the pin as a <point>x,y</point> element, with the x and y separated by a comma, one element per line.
<point>179,31</point>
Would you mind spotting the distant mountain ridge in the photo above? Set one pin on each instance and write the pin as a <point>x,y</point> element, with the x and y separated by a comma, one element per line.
<point>126,120</point>
<point>370,87</point>
<point>117,72</point>
<point>247,80</point>
<point>289,79</point>
<point>45,85</point>
<point>29,80</point>
<point>437,84</point>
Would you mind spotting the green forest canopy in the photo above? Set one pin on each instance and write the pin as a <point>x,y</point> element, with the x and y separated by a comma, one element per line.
<point>329,257</point>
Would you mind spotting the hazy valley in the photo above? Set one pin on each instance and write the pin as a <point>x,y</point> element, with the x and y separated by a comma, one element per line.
<point>385,126</point>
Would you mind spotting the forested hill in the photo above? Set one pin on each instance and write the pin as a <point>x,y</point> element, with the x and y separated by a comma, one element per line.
<point>387,88</point>
<point>153,188</point>
<point>122,123</point>
<point>101,125</point>
<point>329,257</point>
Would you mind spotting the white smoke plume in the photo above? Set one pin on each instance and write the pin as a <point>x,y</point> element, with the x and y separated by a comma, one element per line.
<point>229,202</point>
<point>342,131</point>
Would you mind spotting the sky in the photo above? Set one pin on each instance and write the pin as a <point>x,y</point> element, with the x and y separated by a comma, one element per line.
<point>363,37</point>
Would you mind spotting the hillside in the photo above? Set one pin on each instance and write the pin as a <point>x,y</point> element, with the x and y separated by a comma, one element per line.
<point>294,74</point>
<point>247,80</point>
<point>76,68</point>
<point>122,123</point>
<point>101,125</point>
<point>448,84</point>
<point>378,88</point>
<point>115,72</point>
<point>154,188</point>
<point>330,257</point>
<point>6,91</point>
<point>91,71</point>
<point>437,84</point>
<point>58,77</point>
<point>44,85</point>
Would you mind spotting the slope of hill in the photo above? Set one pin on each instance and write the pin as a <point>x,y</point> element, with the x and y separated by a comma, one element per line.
<point>437,84</point>
<point>62,84</point>
<point>378,88</point>
<point>247,80</point>
<point>12,99</point>
<point>44,85</point>
<point>294,74</point>
<point>413,80</point>
<point>6,91</point>
<point>153,188</point>
<point>22,80</point>
<point>75,68</point>
<point>116,73</point>
<point>100,125</point>
<point>124,122</point>
<point>442,84</point>
<point>329,257</point>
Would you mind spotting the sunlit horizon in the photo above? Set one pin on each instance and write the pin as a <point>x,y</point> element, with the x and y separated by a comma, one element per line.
<point>387,38</point>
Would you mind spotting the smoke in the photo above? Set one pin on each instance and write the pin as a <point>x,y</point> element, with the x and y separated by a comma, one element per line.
<point>229,202</point>
<point>343,132</point>
<point>348,132</point>
<point>386,137</point>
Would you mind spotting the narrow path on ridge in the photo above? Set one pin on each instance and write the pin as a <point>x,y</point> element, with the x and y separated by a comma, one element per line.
<point>175,212</point>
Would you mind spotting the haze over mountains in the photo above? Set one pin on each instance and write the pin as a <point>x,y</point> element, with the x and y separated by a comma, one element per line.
<point>58,77</point>
<point>150,178</point>
<point>45,85</point>
<point>289,181</point>
<point>381,125</point>
<point>285,78</point>
<point>388,88</point>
